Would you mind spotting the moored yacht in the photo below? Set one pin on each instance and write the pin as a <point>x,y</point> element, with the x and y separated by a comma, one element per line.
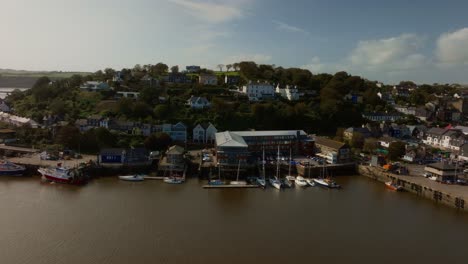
<point>300,181</point>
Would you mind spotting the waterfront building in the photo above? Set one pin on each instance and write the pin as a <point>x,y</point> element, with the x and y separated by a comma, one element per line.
<point>352,131</point>
<point>17,120</point>
<point>434,137</point>
<point>119,157</point>
<point>177,132</point>
<point>247,146</point>
<point>442,170</point>
<point>258,91</point>
<point>333,151</point>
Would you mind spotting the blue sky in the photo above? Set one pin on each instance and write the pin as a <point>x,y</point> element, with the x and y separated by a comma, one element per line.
<point>425,41</point>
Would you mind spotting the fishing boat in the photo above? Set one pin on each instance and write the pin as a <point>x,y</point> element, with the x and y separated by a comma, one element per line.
<point>261,180</point>
<point>393,186</point>
<point>237,182</point>
<point>58,174</point>
<point>300,181</point>
<point>275,182</point>
<point>10,169</point>
<point>132,178</point>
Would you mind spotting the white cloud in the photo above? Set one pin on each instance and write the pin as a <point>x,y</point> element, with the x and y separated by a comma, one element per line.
<point>289,28</point>
<point>452,48</point>
<point>258,58</point>
<point>391,54</point>
<point>210,11</point>
<point>315,65</point>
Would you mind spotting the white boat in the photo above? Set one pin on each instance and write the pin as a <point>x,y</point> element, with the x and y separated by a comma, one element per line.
<point>433,178</point>
<point>134,178</point>
<point>173,180</point>
<point>300,181</point>
<point>58,174</point>
<point>290,178</point>
<point>275,183</point>
<point>287,183</point>
<point>261,182</point>
<point>326,183</point>
<point>237,182</point>
<point>310,182</point>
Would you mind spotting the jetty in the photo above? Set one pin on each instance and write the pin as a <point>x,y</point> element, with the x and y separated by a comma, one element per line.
<point>230,186</point>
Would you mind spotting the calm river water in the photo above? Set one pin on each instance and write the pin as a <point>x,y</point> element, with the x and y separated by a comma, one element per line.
<point>110,221</point>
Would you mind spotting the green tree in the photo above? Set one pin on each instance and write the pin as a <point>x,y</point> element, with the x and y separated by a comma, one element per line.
<point>175,69</point>
<point>68,136</point>
<point>396,150</point>
<point>357,141</point>
<point>158,141</point>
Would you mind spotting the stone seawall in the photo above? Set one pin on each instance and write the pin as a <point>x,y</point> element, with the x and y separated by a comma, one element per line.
<point>449,195</point>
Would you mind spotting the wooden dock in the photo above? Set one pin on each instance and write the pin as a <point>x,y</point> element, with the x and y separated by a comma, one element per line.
<point>229,186</point>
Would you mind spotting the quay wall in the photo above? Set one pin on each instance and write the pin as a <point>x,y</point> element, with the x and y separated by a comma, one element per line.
<point>438,195</point>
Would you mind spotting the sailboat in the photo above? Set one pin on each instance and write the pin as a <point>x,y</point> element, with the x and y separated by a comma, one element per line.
<point>326,182</point>
<point>309,180</point>
<point>289,179</point>
<point>275,182</point>
<point>217,181</point>
<point>173,179</point>
<point>261,180</point>
<point>237,182</point>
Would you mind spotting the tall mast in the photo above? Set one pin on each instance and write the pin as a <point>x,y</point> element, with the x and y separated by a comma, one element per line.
<point>290,159</point>
<point>278,163</point>
<point>263,163</point>
<point>238,169</point>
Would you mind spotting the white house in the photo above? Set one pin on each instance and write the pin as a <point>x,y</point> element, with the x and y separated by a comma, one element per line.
<point>95,86</point>
<point>288,92</point>
<point>198,102</point>
<point>204,133</point>
<point>258,91</point>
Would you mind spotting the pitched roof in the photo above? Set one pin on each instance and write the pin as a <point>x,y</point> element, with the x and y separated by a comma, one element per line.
<point>270,133</point>
<point>329,143</point>
<point>174,150</point>
<point>230,139</point>
<point>437,131</point>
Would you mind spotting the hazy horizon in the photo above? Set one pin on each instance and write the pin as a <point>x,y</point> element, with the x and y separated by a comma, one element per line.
<point>422,41</point>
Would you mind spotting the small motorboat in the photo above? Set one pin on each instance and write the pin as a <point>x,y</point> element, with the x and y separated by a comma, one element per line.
<point>290,178</point>
<point>261,182</point>
<point>134,178</point>
<point>393,186</point>
<point>310,182</point>
<point>300,181</point>
<point>238,183</point>
<point>173,180</point>
<point>433,178</point>
<point>215,182</point>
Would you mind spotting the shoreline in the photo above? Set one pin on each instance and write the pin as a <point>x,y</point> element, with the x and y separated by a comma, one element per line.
<point>454,196</point>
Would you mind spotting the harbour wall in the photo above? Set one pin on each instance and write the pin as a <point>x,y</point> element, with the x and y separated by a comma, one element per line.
<point>440,194</point>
